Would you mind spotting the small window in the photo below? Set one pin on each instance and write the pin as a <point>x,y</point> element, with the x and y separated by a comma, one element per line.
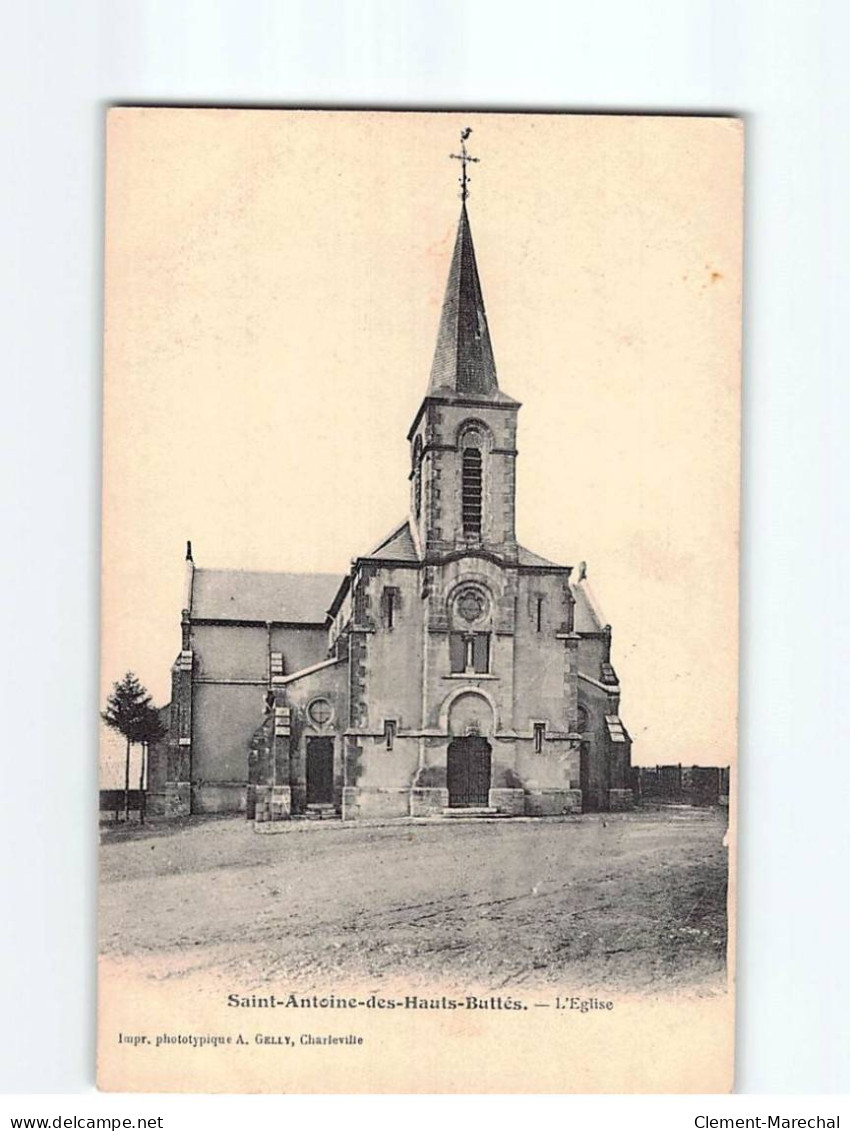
<point>417,476</point>
<point>469,653</point>
<point>539,614</point>
<point>390,732</point>
<point>539,734</point>
<point>390,604</point>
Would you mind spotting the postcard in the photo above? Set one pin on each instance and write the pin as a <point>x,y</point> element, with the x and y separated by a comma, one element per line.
<point>419,601</point>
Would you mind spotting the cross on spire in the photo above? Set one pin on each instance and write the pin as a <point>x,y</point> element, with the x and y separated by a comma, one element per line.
<point>464,159</point>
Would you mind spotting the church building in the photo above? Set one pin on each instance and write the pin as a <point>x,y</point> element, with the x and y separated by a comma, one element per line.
<point>451,670</point>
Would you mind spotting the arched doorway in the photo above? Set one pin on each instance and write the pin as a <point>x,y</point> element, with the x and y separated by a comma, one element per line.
<point>468,772</point>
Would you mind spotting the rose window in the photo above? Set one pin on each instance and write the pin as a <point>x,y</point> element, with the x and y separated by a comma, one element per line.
<point>471,606</point>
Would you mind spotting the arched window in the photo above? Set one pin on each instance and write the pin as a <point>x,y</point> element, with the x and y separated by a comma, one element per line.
<point>470,611</point>
<point>471,492</point>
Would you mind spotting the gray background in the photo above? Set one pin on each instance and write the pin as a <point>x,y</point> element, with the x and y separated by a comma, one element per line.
<point>780,64</point>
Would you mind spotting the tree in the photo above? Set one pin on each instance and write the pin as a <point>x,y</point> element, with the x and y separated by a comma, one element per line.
<point>126,707</point>
<point>149,729</point>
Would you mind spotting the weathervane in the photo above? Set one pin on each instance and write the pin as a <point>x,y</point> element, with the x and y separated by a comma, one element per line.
<point>464,159</point>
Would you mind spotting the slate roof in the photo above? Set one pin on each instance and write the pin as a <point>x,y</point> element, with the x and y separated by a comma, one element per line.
<point>527,558</point>
<point>397,546</point>
<point>616,731</point>
<point>238,594</point>
<point>463,360</point>
<point>586,615</point>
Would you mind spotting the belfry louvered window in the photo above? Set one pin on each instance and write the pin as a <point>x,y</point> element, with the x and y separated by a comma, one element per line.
<point>471,492</point>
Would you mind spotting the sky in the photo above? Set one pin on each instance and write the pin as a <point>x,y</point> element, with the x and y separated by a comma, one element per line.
<point>273,289</point>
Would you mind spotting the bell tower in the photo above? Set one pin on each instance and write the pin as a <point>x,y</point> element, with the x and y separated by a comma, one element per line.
<point>463,439</point>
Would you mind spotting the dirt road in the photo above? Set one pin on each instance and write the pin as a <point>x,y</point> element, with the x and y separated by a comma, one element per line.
<point>632,900</point>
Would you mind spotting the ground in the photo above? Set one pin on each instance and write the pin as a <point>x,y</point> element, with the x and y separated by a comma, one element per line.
<point>631,901</point>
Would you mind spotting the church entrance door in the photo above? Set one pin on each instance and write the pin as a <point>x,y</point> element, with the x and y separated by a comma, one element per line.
<point>320,771</point>
<point>468,772</point>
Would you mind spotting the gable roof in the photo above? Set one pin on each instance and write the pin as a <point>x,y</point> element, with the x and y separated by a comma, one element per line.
<point>397,546</point>
<point>248,595</point>
<point>527,558</point>
<point>586,615</point>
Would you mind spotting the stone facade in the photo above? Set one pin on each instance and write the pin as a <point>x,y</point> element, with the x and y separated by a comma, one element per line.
<point>450,669</point>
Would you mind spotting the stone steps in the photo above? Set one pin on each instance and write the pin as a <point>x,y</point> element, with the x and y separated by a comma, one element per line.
<point>320,812</point>
<point>474,811</point>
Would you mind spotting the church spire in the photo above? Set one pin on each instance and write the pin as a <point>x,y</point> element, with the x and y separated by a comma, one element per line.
<point>463,360</point>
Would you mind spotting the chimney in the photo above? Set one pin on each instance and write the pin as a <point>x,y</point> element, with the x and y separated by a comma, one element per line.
<point>189,578</point>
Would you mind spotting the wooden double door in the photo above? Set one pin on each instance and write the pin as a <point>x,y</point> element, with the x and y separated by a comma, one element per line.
<point>468,772</point>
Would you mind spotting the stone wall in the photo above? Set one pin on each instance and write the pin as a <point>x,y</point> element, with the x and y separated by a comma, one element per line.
<point>440,429</point>
<point>387,676</point>
<point>552,802</point>
<point>374,803</point>
<point>225,718</point>
<point>330,686</point>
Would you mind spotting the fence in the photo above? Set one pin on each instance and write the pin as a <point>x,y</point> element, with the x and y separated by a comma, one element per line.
<point>112,801</point>
<point>683,785</point>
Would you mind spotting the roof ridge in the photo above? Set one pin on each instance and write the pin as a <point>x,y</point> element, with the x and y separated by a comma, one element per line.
<point>271,572</point>
<point>262,595</point>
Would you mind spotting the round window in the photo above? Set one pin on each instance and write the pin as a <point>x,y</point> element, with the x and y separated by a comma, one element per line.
<point>471,605</point>
<point>320,712</point>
